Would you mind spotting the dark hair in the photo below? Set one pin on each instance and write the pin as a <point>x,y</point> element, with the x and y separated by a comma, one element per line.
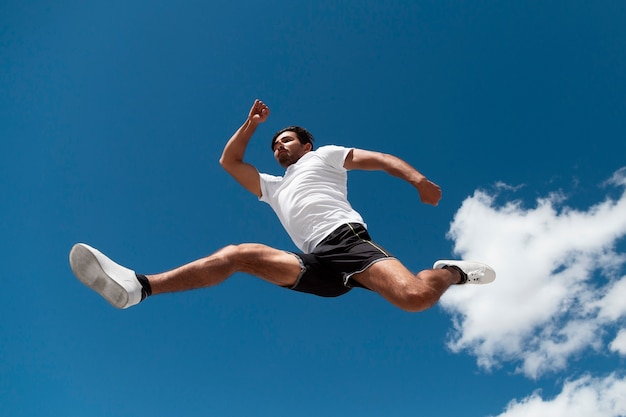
<point>303,135</point>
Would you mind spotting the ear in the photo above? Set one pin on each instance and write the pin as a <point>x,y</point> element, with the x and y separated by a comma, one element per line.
<point>308,146</point>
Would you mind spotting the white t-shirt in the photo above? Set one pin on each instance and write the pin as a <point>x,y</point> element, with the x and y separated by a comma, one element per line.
<point>310,200</point>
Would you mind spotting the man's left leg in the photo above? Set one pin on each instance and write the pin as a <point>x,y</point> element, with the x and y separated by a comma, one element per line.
<point>402,288</point>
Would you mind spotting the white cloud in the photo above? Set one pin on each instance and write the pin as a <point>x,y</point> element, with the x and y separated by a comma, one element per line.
<point>619,343</point>
<point>612,305</point>
<point>558,289</point>
<point>585,397</point>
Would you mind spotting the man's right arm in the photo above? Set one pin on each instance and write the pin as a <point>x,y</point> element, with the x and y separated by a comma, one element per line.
<point>232,156</point>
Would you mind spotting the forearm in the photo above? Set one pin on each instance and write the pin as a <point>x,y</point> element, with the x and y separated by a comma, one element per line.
<point>401,169</point>
<point>377,161</point>
<point>430,192</point>
<point>235,148</point>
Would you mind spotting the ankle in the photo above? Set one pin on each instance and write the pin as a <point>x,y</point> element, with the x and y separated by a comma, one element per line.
<point>146,288</point>
<point>462,275</point>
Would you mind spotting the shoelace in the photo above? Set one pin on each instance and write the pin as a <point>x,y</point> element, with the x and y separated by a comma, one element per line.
<point>476,274</point>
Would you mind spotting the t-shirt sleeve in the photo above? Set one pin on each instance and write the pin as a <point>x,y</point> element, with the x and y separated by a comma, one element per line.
<point>268,185</point>
<point>334,155</point>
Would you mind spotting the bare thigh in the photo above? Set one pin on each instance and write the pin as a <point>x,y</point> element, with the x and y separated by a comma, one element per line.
<point>411,292</point>
<point>273,265</point>
<point>386,277</point>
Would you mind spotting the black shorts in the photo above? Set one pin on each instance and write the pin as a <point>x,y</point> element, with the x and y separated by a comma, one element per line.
<point>327,271</point>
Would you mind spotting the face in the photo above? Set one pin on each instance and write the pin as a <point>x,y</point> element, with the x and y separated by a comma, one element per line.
<point>288,149</point>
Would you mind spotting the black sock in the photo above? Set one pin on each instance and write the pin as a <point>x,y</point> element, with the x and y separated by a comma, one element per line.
<point>463,274</point>
<point>146,289</point>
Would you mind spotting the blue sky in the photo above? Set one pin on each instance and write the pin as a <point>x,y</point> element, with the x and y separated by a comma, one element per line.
<point>113,116</point>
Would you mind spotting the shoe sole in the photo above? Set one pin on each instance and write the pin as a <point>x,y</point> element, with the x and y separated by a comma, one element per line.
<point>89,271</point>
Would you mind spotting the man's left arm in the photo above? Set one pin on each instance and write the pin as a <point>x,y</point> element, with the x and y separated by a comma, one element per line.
<point>429,192</point>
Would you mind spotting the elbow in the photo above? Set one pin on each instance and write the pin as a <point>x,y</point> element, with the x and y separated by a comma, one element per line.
<point>227,164</point>
<point>224,162</point>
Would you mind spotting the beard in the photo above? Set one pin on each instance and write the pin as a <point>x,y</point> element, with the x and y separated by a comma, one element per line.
<point>286,159</point>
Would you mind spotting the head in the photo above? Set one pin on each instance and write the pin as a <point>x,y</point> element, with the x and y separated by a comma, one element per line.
<point>290,144</point>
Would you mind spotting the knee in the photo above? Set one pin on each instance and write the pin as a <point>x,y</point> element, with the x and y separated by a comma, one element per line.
<point>240,256</point>
<point>228,253</point>
<point>415,301</point>
<point>417,296</point>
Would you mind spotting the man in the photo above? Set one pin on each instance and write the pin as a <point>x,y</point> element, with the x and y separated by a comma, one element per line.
<point>337,252</point>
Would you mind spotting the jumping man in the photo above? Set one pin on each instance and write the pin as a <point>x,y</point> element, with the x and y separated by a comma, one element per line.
<point>310,199</point>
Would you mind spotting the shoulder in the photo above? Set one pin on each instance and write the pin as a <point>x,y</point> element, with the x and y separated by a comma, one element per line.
<point>333,152</point>
<point>269,178</point>
<point>331,149</point>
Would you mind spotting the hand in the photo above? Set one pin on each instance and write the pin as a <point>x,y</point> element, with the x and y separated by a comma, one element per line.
<point>430,193</point>
<point>259,112</point>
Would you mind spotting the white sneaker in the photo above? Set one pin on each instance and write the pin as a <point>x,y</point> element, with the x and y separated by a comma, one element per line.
<point>118,285</point>
<point>476,272</point>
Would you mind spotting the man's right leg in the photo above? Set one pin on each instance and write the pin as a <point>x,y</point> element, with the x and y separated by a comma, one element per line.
<point>121,287</point>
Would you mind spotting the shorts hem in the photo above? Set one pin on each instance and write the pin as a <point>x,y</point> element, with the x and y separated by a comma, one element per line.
<point>300,275</point>
<point>346,279</point>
